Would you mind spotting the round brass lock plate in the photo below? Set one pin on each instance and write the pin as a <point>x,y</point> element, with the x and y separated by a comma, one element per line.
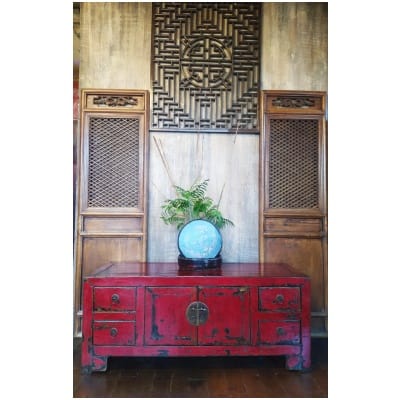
<point>197,313</point>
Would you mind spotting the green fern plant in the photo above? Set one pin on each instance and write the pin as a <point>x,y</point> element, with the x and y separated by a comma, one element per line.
<point>192,204</point>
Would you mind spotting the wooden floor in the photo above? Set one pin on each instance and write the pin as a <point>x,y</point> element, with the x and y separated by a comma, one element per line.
<point>204,377</point>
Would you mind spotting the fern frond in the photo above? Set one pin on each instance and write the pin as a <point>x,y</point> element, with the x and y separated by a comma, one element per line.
<point>198,190</point>
<point>192,204</point>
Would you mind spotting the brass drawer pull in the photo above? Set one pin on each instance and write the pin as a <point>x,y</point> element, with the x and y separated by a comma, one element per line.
<point>280,331</point>
<point>113,332</point>
<point>278,299</point>
<point>115,298</point>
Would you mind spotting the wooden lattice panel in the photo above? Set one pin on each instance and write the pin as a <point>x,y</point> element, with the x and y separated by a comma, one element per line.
<point>112,186</point>
<point>206,65</point>
<point>293,163</point>
<point>293,208</point>
<point>114,162</point>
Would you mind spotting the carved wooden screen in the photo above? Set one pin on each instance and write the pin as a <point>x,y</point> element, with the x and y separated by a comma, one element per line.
<point>112,217</point>
<point>114,161</point>
<point>206,66</point>
<point>293,210</point>
<point>293,164</point>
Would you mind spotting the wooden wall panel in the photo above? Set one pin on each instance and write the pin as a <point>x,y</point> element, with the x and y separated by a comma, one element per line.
<point>115,45</point>
<point>115,52</point>
<point>232,166</point>
<point>112,224</point>
<point>294,53</point>
<point>98,251</point>
<point>294,251</point>
<point>293,202</point>
<point>113,165</point>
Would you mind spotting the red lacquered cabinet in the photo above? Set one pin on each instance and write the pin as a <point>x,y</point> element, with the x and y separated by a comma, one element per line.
<point>158,309</point>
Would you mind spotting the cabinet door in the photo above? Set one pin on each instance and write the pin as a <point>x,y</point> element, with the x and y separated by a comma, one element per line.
<point>228,320</point>
<point>165,316</point>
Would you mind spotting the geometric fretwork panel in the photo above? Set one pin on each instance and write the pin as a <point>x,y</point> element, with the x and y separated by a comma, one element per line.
<point>205,65</point>
<point>113,179</point>
<point>293,165</point>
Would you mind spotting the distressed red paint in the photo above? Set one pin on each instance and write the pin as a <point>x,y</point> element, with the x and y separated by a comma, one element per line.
<point>146,309</point>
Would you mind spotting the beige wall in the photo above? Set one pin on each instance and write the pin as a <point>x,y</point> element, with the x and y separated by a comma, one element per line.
<point>294,41</point>
<point>115,49</point>
<point>232,166</point>
<point>115,52</point>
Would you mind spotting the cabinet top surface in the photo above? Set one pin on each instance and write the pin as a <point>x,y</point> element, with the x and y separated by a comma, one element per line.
<point>170,269</point>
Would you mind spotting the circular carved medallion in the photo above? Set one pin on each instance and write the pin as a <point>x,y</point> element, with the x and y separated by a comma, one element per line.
<point>206,63</point>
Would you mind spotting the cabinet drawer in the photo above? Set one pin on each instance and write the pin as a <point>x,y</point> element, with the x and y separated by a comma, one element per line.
<point>279,332</point>
<point>113,333</point>
<point>114,299</point>
<point>279,298</point>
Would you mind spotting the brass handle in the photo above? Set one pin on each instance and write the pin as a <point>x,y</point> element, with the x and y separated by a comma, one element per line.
<point>113,332</point>
<point>280,331</point>
<point>115,298</point>
<point>279,299</point>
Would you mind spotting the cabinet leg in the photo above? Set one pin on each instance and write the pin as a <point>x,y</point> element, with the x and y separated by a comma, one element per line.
<point>86,370</point>
<point>86,358</point>
<point>298,363</point>
<point>98,363</point>
<point>294,362</point>
<point>91,362</point>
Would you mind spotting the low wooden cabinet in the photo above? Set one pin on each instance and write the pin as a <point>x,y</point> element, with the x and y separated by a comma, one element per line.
<point>158,309</point>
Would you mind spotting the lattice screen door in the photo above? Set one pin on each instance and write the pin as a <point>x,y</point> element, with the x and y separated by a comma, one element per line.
<point>112,221</point>
<point>293,209</point>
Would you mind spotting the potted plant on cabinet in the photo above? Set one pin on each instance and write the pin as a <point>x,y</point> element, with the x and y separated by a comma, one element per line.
<point>199,221</point>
